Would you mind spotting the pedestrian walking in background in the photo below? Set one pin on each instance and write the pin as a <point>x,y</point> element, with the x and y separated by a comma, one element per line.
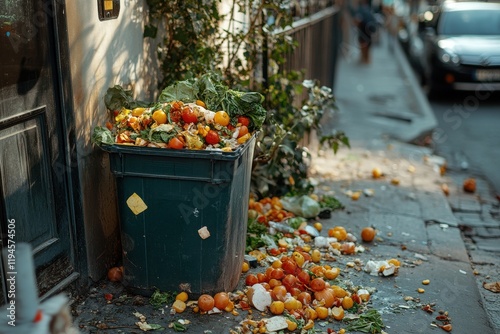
<point>367,27</point>
<point>391,22</point>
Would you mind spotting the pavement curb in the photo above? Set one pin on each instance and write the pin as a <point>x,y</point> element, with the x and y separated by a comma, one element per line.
<point>425,124</point>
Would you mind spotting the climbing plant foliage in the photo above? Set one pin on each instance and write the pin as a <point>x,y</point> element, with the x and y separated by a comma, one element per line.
<point>240,40</point>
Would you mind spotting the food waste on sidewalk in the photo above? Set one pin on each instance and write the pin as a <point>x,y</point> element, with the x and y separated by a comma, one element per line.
<point>292,277</point>
<point>297,277</point>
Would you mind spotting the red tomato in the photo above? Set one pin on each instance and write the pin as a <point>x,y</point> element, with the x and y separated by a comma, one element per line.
<point>356,298</point>
<point>304,277</point>
<point>274,251</point>
<point>243,131</point>
<point>175,143</point>
<point>251,279</point>
<point>189,116</point>
<point>289,266</point>
<point>277,273</point>
<point>243,120</point>
<point>109,126</point>
<point>212,137</point>
<point>289,281</point>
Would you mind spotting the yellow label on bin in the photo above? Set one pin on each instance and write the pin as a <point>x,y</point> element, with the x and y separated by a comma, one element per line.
<point>136,204</point>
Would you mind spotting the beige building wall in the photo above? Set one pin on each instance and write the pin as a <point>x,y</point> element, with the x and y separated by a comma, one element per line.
<point>104,54</point>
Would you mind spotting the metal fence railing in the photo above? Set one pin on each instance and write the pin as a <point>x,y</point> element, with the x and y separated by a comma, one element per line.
<point>318,36</point>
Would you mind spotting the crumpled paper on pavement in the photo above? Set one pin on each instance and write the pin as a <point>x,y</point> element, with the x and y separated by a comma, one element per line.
<point>385,268</point>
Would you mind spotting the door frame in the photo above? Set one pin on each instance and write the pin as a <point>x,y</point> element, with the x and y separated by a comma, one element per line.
<point>64,99</point>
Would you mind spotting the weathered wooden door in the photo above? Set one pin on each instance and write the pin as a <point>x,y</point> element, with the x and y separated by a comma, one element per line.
<point>35,201</point>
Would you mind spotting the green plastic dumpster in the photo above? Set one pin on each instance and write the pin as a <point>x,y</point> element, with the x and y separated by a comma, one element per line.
<point>183,216</point>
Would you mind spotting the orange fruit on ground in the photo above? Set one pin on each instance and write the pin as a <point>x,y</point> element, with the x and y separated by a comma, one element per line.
<point>338,232</point>
<point>277,264</point>
<point>326,297</point>
<point>316,256</point>
<point>245,267</point>
<point>291,303</point>
<point>277,273</point>
<point>311,313</point>
<point>322,312</point>
<point>292,325</point>
<point>318,226</point>
<point>279,293</point>
<point>277,307</point>
<point>251,279</point>
<point>182,296</point>
<point>470,185</point>
<point>339,292</point>
<point>229,307</point>
<point>160,117</point>
<point>376,172</point>
<point>318,271</point>
<point>273,282</point>
<point>115,274</point>
<point>332,273</point>
<point>368,234</point>
<point>338,313</point>
<point>221,299</point>
<point>262,277</point>
<point>347,302</point>
<point>317,284</point>
<point>304,297</point>
<point>221,118</point>
<point>179,306</point>
<point>206,302</point>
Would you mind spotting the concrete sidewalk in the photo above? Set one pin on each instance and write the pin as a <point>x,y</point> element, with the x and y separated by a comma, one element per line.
<point>383,96</point>
<point>382,109</point>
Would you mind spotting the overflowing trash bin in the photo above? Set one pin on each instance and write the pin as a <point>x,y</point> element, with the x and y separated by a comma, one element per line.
<point>183,216</point>
<point>182,166</point>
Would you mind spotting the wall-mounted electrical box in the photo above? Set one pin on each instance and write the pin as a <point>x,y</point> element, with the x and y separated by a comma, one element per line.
<point>108,9</point>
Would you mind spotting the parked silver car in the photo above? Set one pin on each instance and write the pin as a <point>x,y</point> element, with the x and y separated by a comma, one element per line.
<point>461,47</point>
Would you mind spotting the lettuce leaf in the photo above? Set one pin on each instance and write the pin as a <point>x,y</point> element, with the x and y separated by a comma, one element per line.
<point>102,135</point>
<point>217,96</point>
<point>186,91</point>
